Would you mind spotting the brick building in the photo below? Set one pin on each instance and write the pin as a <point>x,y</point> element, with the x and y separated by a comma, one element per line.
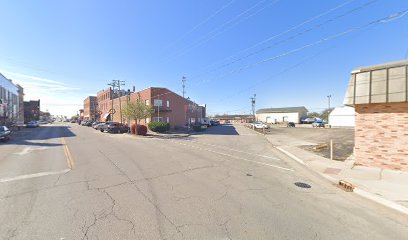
<point>168,106</point>
<point>31,111</point>
<point>379,95</point>
<point>91,108</point>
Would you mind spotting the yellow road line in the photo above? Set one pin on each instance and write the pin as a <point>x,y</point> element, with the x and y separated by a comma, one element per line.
<point>68,155</point>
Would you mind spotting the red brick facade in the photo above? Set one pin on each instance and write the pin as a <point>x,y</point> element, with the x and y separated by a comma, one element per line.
<point>90,108</point>
<point>381,135</point>
<point>172,109</point>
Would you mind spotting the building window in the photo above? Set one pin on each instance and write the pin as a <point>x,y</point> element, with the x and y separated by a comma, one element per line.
<point>168,103</point>
<point>167,120</point>
<point>147,102</point>
<point>158,102</point>
<point>157,119</point>
<point>192,120</point>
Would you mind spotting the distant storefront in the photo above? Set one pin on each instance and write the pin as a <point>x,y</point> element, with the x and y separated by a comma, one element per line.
<point>11,96</point>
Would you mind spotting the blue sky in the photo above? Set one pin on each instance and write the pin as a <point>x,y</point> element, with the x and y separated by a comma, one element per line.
<point>63,51</point>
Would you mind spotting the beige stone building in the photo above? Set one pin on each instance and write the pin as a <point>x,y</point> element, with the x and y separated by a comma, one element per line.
<point>379,95</point>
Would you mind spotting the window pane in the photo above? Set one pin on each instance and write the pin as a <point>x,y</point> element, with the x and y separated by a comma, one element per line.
<point>362,87</point>
<point>379,86</point>
<point>396,84</point>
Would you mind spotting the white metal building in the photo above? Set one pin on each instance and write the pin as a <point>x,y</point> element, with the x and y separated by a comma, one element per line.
<point>342,117</point>
<point>280,115</point>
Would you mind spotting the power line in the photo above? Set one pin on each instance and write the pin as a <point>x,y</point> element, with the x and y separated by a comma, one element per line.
<point>286,39</point>
<point>204,21</point>
<point>389,18</point>
<point>287,30</point>
<point>204,38</point>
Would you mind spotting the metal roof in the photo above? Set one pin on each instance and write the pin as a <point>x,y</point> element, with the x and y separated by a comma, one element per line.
<point>282,110</point>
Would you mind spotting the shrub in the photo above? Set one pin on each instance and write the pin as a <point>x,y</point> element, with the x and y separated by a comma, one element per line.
<point>141,130</point>
<point>133,128</point>
<point>159,126</point>
<point>198,128</point>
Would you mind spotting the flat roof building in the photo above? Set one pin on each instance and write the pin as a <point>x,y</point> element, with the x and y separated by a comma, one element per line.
<point>379,94</point>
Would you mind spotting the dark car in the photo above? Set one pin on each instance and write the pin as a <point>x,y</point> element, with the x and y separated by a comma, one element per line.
<point>291,124</point>
<point>111,127</point>
<point>214,122</point>
<point>4,133</point>
<point>99,126</point>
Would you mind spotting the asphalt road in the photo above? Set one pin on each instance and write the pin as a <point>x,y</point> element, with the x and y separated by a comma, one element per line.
<point>64,181</point>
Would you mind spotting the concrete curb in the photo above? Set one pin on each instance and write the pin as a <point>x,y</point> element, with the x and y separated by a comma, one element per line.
<point>358,191</point>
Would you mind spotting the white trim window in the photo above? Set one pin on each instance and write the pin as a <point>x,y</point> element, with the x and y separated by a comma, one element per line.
<point>167,120</point>
<point>168,103</point>
<point>158,103</point>
<point>157,119</point>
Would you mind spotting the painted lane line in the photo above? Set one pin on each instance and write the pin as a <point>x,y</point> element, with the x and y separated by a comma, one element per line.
<point>34,175</point>
<point>30,149</point>
<point>68,155</point>
<point>239,158</point>
<point>291,155</point>
<point>235,150</point>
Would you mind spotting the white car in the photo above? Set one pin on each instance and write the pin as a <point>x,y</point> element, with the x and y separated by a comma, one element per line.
<point>260,125</point>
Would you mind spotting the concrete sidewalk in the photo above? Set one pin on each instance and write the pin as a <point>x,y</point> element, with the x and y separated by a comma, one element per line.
<point>387,187</point>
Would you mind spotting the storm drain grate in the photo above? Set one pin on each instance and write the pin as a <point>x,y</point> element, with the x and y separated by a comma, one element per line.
<point>302,185</point>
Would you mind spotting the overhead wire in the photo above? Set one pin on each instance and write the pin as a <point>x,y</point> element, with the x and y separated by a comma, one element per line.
<point>211,34</point>
<point>288,30</point>
<point>290,37</point>
<point>204,21</point>
<point>389,18</point>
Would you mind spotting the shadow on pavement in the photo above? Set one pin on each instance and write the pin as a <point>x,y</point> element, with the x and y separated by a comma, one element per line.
<point>225,129</point>
<point>37,136</point>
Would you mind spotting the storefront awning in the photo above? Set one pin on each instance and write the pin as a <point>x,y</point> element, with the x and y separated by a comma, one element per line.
<point>106,115</point>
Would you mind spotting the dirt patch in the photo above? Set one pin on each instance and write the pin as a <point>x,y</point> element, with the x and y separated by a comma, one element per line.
<point>343,140</point>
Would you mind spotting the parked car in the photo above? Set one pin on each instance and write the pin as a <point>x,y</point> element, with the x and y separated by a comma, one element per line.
<point>259,125</point>
<point>94,124</point>
<point>124,129</point>
<point>4,133</point>
<point>308,120</point>
<point>99,126</point>
<point>291,124</point>
<point>214,122</point>
<point>318,124</point>
<point>32,124</point>
<point>111,127</point>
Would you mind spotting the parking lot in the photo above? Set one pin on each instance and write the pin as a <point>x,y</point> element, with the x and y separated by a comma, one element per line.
<point>317,140</point>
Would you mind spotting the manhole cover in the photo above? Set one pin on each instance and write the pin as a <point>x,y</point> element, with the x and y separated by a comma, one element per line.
<point>302,185</point>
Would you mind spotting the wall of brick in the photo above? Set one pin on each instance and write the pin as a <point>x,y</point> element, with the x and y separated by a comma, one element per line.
<point>174,113</point>
<point>381,135</point>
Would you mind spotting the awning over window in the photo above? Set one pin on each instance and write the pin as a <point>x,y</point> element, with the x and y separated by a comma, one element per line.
<point>106,115</point>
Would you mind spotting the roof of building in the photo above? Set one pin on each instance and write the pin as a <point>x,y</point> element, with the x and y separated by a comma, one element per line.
<point>380,66</point>
<point>233,116</point>
<point>282,110</point>
<point>382,83</point>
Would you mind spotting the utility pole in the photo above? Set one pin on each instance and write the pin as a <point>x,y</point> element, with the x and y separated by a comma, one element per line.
<point>253,99</point>
<point>184,92</point>
<point>116,84</point>
<point>328,98</point>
